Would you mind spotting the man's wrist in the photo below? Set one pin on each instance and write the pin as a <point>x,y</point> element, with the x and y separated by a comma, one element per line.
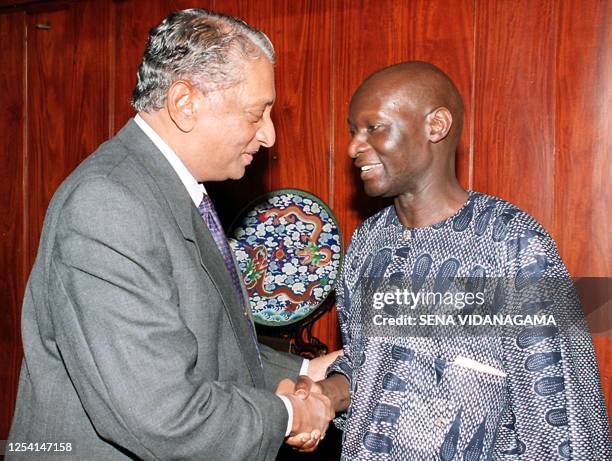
<point>290,412</point>
<point>296,419</point>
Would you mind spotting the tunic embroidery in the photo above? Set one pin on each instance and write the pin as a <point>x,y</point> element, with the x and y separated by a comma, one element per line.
<point>411,400</point>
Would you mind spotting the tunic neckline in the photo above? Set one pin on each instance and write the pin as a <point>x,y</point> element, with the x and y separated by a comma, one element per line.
<point>437,225</point>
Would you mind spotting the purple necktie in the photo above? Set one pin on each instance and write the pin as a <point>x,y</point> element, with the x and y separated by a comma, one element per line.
<point>209,214</point>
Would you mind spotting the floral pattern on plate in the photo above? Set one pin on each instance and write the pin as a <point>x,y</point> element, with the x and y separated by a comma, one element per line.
<point>289,250</point>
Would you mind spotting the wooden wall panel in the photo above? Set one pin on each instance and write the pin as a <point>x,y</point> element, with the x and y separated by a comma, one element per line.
<point>514,126</point>
<point>582,189</point>
<point>68,99</point>
<point>12,113</point>
<point>584,137</point>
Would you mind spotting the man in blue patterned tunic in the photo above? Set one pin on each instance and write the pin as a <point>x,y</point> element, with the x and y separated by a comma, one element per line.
<point>518,392</point>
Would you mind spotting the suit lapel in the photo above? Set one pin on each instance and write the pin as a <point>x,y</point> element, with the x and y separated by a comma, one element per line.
<point>194,230</point>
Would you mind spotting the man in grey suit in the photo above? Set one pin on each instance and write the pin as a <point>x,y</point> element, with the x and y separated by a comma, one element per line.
<point>137,337</point>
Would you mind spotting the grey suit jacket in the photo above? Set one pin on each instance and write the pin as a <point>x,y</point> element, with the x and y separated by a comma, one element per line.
<point>134,341</point>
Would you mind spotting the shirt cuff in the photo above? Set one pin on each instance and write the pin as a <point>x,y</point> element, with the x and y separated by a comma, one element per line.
<point>289,413</point>
<point>304,368</point>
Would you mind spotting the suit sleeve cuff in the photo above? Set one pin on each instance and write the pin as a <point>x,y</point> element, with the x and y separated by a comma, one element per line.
<point>304,368</point>
<point>289,413</point>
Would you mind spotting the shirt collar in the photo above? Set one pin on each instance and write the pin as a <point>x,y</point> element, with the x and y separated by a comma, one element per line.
<point>194,188</point>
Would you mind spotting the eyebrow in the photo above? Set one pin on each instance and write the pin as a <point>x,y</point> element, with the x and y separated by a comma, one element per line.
<point>259,105</point>
<point>263,102</point>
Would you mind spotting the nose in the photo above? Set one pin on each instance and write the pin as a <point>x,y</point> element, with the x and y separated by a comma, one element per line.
<point>266,134</point>
<point>356,146</point>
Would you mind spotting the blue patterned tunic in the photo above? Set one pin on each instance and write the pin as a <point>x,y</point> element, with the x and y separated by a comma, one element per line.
<point>532,393</point>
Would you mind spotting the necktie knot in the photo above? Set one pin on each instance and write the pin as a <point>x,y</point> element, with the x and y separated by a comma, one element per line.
<point>206,206</point>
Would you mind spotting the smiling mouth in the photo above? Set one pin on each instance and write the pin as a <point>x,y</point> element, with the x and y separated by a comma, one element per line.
<point>369,171</point>
<point>369,167</point>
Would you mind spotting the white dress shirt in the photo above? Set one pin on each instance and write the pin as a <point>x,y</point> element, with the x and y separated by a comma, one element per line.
<point>196,191</point>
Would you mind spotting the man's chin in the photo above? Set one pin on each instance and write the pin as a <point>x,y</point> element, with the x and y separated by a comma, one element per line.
<point>238,174</point>
<point>373,190</point>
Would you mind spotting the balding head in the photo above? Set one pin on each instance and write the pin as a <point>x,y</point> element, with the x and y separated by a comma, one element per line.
<point>405,122</point>
<point>421,87</point>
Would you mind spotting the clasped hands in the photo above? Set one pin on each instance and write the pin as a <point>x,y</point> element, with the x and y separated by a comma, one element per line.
<point>312,412</point>
<point>312,408</point>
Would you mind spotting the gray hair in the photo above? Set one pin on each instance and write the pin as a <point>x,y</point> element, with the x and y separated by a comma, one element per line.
<point>200,46</point>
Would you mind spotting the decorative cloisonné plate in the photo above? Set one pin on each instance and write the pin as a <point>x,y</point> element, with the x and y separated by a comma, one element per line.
<point>289,250</point>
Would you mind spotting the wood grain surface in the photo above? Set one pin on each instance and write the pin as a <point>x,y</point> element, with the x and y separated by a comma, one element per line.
<point>582,192</point>
<point>12,242</point>
<point>514,123</point>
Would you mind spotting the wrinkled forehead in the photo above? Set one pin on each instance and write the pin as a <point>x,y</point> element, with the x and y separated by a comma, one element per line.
<point>385,95</point>
<point>256,80</point>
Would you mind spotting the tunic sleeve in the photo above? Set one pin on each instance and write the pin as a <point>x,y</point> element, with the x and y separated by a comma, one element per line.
<point>556,409</point>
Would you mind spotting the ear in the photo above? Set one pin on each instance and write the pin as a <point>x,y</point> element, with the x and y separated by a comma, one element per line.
<point>439,123</point>
<point>182,101</point>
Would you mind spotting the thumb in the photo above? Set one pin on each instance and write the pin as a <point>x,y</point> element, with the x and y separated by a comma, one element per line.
<point>286,386</point>
<point>303,386</point>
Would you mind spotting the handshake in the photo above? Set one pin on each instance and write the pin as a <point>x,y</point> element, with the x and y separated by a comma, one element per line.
<point>315,401</point>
